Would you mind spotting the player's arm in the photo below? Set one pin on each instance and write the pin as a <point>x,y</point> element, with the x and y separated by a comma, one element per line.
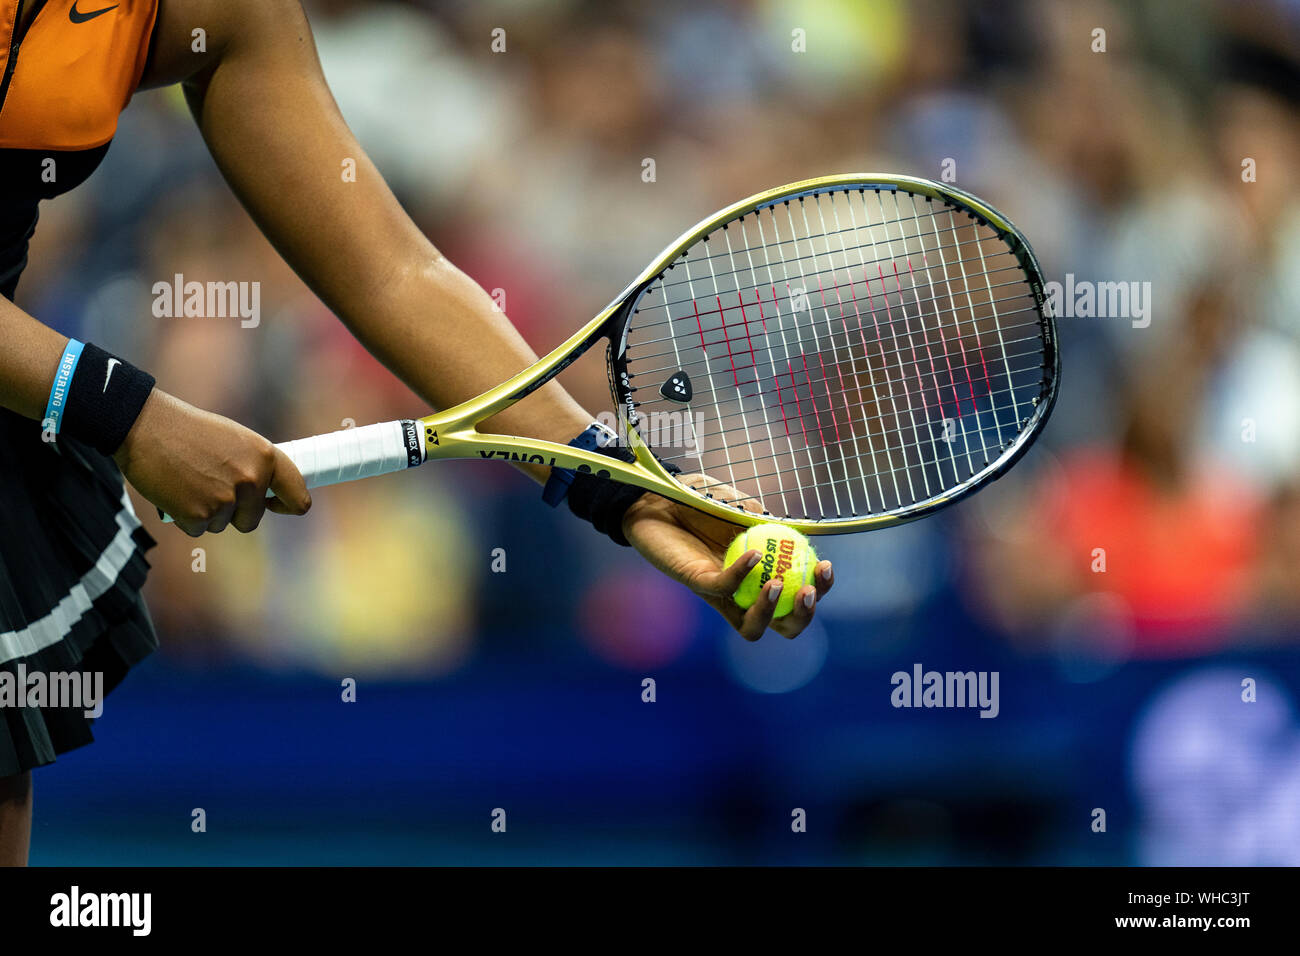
<point>214,472</point>
<point>261,102</point>
<point>27,362</point>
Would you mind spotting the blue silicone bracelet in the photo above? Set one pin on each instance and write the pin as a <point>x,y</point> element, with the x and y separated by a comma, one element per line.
<point>62,380</point>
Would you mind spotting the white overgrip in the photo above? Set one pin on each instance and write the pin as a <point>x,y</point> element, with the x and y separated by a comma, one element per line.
<point>355,453</point>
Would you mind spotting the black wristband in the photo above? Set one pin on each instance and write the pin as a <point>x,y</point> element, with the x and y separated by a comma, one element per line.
<point>104,399</point>
<point>602,501</point>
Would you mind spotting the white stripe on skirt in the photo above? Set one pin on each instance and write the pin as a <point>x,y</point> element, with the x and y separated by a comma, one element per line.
<point>56,625</point>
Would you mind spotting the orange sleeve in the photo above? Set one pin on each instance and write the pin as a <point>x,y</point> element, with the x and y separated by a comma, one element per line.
<point>72,77</point>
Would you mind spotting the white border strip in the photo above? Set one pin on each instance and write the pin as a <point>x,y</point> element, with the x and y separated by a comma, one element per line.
<point>56,625</point>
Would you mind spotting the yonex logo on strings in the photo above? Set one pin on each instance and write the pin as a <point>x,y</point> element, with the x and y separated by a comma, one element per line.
<point>677,388</point>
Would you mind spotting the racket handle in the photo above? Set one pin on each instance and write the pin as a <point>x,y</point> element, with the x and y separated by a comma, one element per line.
<point>354,453</point>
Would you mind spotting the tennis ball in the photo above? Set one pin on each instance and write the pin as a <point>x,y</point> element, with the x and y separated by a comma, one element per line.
<point>783,552</point>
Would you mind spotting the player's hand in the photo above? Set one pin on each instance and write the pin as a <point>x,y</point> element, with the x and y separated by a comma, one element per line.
<point>688,546</point>
<point>207,471</point>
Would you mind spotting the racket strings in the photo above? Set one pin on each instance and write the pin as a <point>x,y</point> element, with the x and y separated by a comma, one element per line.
<point>891,371</point>
<point>884,327</point>
<point>830,391</point>
<point>795,300</point>
<point>896,435</point>
<point>902,223</point>
<point>795,259</point>
<point>887,472</point>
<point>954,409</point>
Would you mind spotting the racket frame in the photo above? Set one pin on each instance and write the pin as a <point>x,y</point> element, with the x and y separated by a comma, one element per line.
<point>453,433</point>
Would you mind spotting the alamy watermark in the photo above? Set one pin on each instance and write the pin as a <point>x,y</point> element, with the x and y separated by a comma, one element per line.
<point>660,429</point>
<point>82,690</point>
<point>922,688</point>
<point>1084,299</point>
<point>76,908</point>
<point>208,300</point>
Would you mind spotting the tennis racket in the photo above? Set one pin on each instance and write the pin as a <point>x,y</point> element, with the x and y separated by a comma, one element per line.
<point>845,353</point>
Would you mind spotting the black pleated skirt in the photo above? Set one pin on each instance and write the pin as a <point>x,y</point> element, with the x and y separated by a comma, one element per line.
<point>71,567</point>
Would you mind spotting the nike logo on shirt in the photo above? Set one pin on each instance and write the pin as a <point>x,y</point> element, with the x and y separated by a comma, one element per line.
<point>76,16</point>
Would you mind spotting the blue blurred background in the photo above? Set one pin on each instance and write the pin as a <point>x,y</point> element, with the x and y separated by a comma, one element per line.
<point>1173,456</point>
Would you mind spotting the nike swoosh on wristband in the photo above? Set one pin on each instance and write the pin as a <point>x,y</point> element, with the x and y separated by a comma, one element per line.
<point>112,364</point>
<point>77,16</point>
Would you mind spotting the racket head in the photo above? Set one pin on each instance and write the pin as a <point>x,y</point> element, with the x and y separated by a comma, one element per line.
<point>845,353</point>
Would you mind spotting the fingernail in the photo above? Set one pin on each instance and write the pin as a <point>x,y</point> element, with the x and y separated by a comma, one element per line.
<point>826,574</point>
<point>752,561</point>
<point>775,592</point>
<point>809,599</point>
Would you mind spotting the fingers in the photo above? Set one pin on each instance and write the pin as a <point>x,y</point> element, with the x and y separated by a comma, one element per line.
<point>823,578</point>
<point>805,606</point>
<point>758,618</point>
<point>754,622</point>
<point>805,602</point>
<point>221,517</point>
<point>245,502</point>
<point>248,502</point>
<point>289,487</point>
<point>705,484</point>
<point>728,580</point>
<point>195,529</point>
<point>250,505</point>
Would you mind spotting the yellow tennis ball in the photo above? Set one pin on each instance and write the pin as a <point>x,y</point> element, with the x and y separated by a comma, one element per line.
<point>783,552</point>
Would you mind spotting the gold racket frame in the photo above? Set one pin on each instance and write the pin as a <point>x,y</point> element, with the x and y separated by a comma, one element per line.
<point>453,433</point>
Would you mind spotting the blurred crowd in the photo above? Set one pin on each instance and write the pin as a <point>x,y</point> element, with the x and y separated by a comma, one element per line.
<point>1159,517</point>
